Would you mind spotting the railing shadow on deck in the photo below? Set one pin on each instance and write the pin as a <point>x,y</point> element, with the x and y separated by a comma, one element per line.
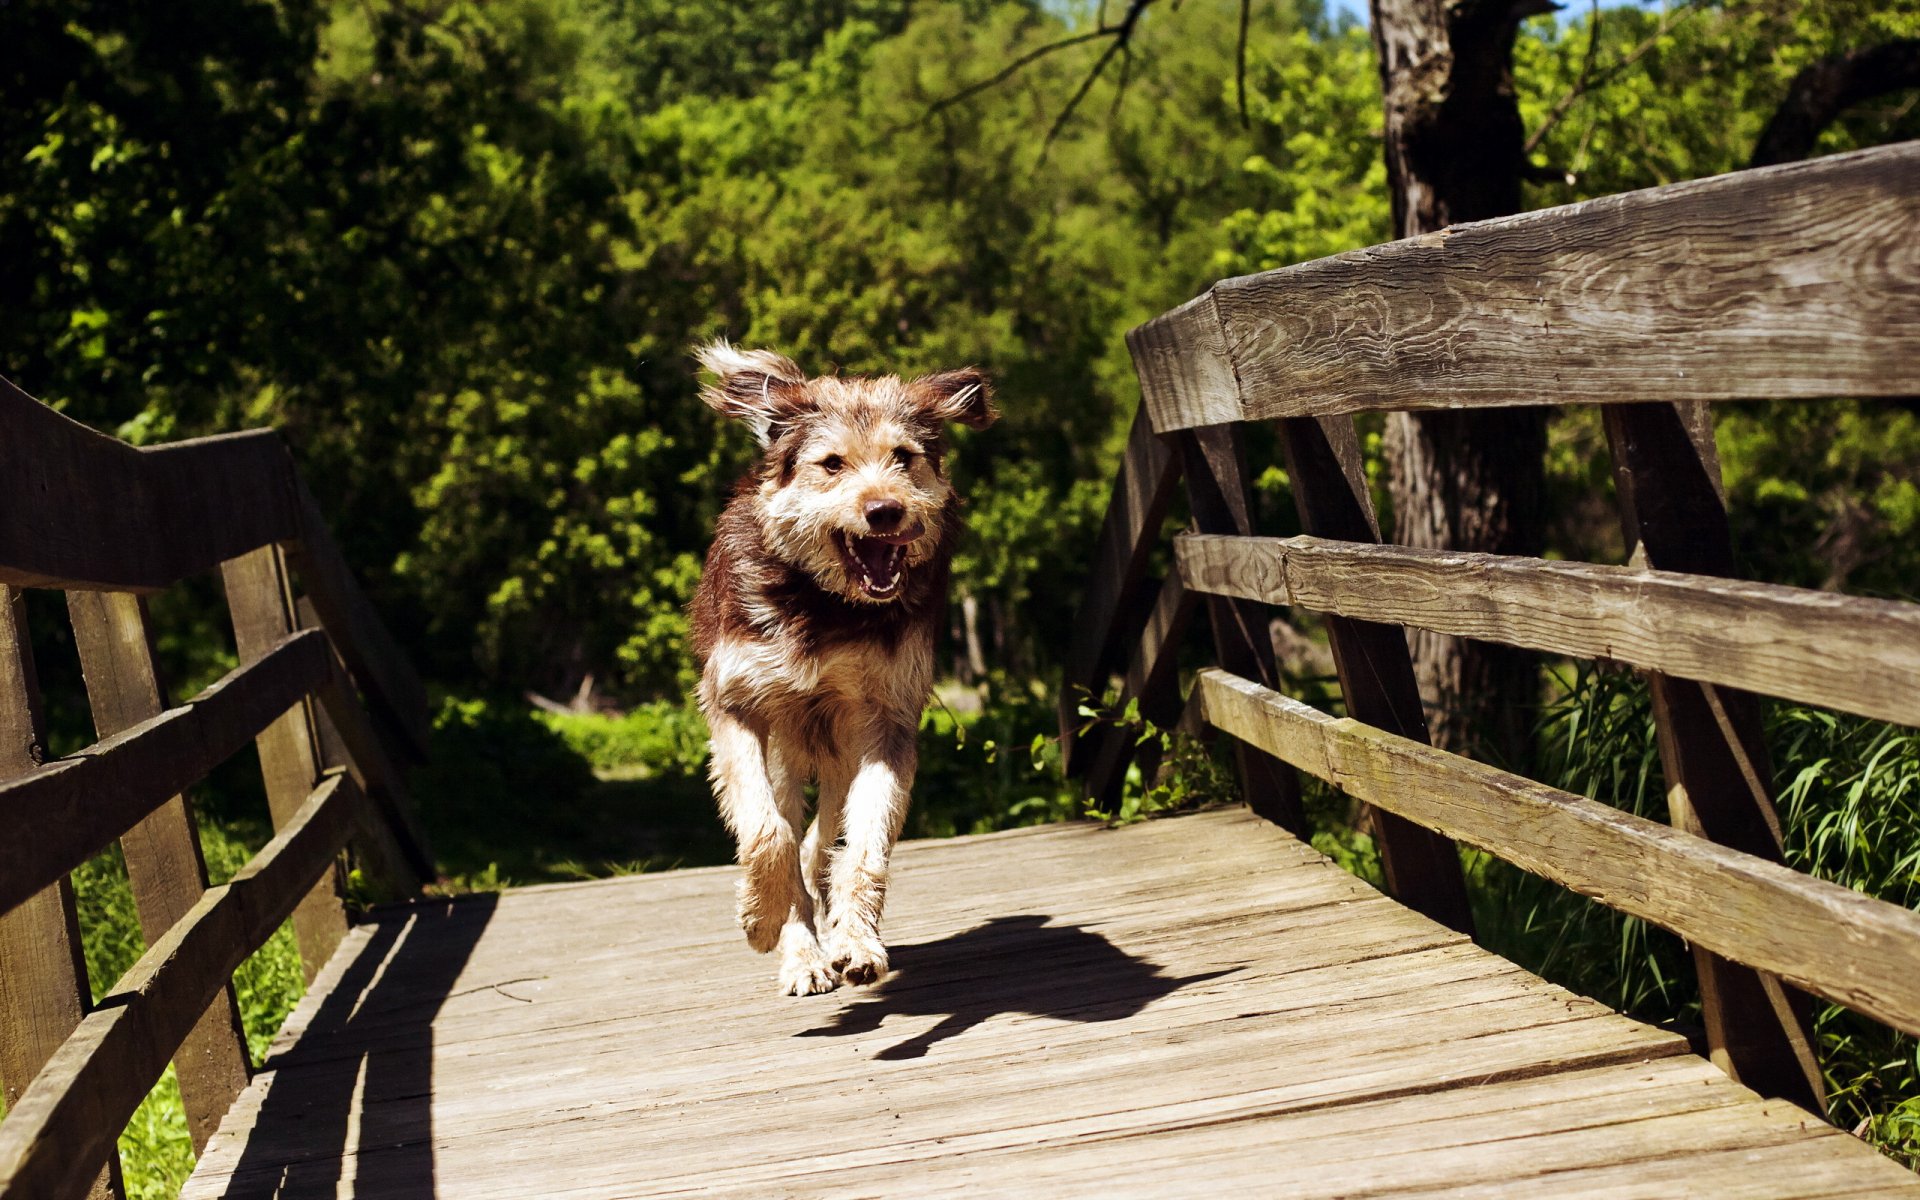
<point>1017,964</point>
<point>358,1086</point>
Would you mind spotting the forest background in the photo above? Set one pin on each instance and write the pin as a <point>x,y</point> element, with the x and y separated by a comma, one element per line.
<point>458,253</point>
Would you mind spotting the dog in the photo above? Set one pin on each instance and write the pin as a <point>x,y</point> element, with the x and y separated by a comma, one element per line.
<point>814,624</point>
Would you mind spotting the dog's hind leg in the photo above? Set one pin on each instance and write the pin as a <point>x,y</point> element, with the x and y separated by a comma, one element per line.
<point>876,808</point>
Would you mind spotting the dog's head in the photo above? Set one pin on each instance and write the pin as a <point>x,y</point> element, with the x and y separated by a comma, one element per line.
<point>853,484</point>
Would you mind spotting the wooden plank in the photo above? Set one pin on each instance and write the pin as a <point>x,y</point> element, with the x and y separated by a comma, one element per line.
<point>361,752</point>
<point>1846,652</point>
<point>1797,281</point>
<point>108,516</point>
<point>57,816</point>
<point>1850,948</point>
<point>43,973</point>
<point>112,632</point>
<point>1712,741</point>
<point>1142,491</point>
<point>261,605</point>
<point>1153,677</point>
<point>1421,869</point>
<point>1213,462</point>
<point>1185,368</point>
<point>72,1113</point>
<point>374,659</point>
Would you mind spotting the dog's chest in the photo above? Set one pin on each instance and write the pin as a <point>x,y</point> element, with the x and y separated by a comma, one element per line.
<point>775,675</point>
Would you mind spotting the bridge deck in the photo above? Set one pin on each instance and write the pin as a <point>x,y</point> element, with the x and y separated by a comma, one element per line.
<point>1186,1007</point>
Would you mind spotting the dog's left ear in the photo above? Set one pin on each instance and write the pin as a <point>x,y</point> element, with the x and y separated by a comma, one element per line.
<point>965,395</point>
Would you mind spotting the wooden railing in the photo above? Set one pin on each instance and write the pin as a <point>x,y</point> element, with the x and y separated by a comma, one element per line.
<point>1790,282</point>
<point>109,523</point>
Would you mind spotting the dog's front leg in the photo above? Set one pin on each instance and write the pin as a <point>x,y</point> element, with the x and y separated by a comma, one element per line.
<point>763,800</point>
<point>876,807</point>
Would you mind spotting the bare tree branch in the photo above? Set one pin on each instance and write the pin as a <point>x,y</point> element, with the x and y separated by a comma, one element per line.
<point>1591,79</point>
<point>1825,89</point>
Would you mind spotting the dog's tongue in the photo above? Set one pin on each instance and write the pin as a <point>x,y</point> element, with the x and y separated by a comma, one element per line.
<point>879,563</point>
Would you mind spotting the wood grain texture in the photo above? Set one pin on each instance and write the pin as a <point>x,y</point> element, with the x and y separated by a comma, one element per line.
<point>1847,652</point>
<point>1712,740</point>
<point>106,515</point>
<point>56,816</point>
<point>1186,374</point>
<point>68,1119</point>
<point>1075,1011</point>
<point>1792,281</point>
<point>1142,491</point>
<point>165,869</point>
<point>372,656</point>
<point>1377,681</point>
<point>1837,943</point>
<point>261,605</point>
<point>43,973</point>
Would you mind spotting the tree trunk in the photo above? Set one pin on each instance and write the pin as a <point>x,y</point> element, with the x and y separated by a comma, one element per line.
<point>1469,480</point>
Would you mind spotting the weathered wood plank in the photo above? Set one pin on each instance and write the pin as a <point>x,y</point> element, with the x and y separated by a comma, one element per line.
<point>261,605</point>
<point>1214,464</point>
<point>43,974</point>
<point>372,656</point>
<point>1186,374</point>
<point>1712,741</point>
<point>1153,678</point>
<point>1794,281</point>
<point>70,1116</point>
<point>1377,682</point>
<point>112,632</point>
<point>57,816</point>
<point>1142,491</point>
<point>1850,948</point>
<point>106,515</point>
<point>1846,652</point>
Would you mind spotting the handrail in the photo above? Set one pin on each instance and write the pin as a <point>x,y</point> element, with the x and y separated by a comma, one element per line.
<point>1801,282</point>
<point>1581,304</point>
<point>106,521</point>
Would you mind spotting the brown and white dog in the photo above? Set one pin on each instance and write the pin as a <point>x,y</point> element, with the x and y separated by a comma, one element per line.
<point>814,623</point>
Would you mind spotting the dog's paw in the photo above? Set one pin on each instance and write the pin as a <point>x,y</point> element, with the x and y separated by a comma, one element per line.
<point>758,921</point>
<point>859,958</point>
<point>806,973</point>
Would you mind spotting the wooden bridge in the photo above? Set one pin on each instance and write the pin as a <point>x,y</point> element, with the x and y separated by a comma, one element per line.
<point>1191,1006</point>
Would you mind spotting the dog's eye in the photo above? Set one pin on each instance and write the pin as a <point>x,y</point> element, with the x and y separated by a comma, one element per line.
<point>832,464</point>
<point>903,456</point>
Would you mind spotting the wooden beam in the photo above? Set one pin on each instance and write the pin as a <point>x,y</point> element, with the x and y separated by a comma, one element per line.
<point>1142,491</point>
<point>261,604</point>
<point>1421,868</point>
<point>43,974</point>
<point>1846,652</point>
<point>56,816</point>
<point>75,1109</point>
<point>1797,281</point>
<point>1153,678</point>
<point>108,516</point>
<point>164,866</point>
<point>1831,940</point>
<point>1712,740</point>
<point>1213,461</point>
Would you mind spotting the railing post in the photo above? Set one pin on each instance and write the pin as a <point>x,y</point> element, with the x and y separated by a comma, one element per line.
<point>164,862</point>
<point>260,602</point>
<point>43,975</point>
<point>1712,743</point>
<point>1213,460</point>
<point>1422,868</point>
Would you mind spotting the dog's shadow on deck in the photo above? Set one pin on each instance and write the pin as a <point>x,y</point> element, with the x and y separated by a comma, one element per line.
<point>1017,964</point>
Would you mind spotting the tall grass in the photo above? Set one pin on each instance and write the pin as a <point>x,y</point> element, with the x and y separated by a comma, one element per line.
<point>1849,796</point>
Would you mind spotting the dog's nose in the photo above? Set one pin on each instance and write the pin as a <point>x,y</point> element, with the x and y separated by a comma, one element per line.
<point>884,516</point>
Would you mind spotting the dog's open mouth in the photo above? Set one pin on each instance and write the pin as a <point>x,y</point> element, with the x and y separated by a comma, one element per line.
<point>877,564</point>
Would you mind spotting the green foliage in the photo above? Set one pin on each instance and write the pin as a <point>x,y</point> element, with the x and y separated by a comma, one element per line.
<point>661,737</point>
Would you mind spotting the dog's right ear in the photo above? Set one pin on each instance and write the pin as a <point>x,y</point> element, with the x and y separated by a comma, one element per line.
<point>763,389</point>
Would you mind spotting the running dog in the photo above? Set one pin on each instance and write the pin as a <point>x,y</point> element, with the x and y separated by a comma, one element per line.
<point>814,623</point>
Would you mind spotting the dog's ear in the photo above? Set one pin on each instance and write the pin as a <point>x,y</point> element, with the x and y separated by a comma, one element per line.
<point>965,395</point>
<point>759,387</point>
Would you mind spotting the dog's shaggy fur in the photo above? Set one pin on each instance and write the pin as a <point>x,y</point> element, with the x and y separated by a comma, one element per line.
<point>814,623</point>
